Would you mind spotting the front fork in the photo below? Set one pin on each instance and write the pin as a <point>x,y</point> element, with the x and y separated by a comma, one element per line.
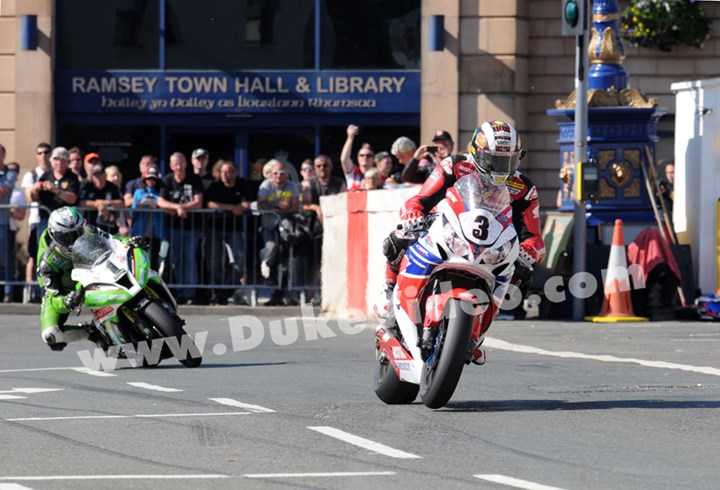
<point>435,305</point>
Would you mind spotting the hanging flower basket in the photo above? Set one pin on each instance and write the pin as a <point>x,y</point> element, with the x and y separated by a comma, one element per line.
<point>663,24</point>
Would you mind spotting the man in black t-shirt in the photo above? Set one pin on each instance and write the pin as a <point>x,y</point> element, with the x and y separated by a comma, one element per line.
<point>96,192</point>
<point>55,188</point>
<point>230,197</point>
<point>182,192</point>
<point>322,184</point>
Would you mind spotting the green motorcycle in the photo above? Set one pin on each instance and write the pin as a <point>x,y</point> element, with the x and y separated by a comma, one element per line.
<point>132,307</point>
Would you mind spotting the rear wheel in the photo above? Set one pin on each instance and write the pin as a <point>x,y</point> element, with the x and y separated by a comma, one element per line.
<point>171,326</point>
<point>441,373</point>
<point>390,389</point>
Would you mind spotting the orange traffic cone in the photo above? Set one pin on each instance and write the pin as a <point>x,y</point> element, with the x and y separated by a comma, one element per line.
<point>617,306</point>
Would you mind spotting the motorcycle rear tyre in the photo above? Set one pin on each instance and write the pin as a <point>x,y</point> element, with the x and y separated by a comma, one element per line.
<point>438,382</point>
<point>170,326</point>
<point>390,389</point>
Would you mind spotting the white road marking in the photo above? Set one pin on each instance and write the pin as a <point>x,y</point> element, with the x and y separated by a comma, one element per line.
<point>13,486</point>
<point>110,477</point>
<point>31,390</point>
<point>311,475</point>
<point>147,386</point>
<point>140,416</point>
<point>93,372</point>
<point>364,443</point>
<point>83,370</point>
<point>234,403</point>
<point>502,345</point>
<point>514,482</point>
<point>11,397</point>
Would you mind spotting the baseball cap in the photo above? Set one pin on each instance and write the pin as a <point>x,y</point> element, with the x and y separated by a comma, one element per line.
<point>91,156</point>
<point>152,173</point>
<point>60,152</point>
<point>199,152</point>
<point>442,135</point>
<point>98,169</point>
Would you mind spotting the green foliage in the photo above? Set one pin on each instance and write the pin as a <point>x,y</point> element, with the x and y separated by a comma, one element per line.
<point>663,24</point>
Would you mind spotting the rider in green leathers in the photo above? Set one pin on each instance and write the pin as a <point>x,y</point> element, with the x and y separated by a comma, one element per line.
<point>61,294</point>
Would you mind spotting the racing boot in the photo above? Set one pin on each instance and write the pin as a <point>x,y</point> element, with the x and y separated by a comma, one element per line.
<point>478,356</point>
<point>54,338</point>
<point>383,305</point>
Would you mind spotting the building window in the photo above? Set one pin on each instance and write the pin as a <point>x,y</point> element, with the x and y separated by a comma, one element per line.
<point>123,34</point>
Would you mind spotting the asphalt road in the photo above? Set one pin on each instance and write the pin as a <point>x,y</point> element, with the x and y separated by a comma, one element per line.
<point>558,405</point>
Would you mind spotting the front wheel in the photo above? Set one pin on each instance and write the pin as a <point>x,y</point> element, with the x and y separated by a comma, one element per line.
<point>441,373</point>
<point>390,389</point>
<point>171,326</point>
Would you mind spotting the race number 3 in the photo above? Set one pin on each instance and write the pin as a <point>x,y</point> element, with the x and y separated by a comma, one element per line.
<point>482,224</point>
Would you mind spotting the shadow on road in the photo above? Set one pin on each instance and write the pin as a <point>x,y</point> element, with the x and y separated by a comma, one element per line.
<point>543,405</point>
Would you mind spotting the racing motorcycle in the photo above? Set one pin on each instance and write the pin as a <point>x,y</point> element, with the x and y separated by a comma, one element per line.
<point>431,334</point>
<point>132,307</point>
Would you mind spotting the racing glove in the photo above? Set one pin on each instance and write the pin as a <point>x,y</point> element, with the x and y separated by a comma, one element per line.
<point>139,241</point>
<point>74,299</point>
<point>412,220</point>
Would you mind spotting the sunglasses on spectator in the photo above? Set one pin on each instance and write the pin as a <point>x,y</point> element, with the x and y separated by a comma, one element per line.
<point>322,165</point>
<point>368,155</point>
<point>43,152</point>
<point>281,172</point>
<point>306,169</point>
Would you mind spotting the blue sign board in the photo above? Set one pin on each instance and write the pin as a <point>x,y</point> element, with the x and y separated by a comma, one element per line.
<point>218,92</point>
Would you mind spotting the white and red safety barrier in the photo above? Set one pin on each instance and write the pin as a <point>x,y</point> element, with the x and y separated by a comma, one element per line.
<point>353,266</point>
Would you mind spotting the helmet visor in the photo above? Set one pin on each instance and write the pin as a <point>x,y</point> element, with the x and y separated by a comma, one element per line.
<point>67,238</point>
<point>498,164</point>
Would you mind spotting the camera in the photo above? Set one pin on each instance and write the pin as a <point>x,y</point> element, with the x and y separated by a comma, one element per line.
<point>432,149</point>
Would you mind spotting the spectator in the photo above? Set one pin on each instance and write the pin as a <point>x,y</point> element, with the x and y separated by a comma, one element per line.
<point>354,174</point>
<point>306,172</point>
<point>91,159</point>
<point>145,221</point>
<point>8,177</point>
<point>280,196</point>
<point>372,180</point>
<point>114,176</point>
<point>57,187</point>
<point>256,177</point>
<point>182,191</point>
<point>131,186</point>
<point>230,197</point>
<point>667,185</point>
<point>42,158</point>
<point>200,159</point>
<point>217,166</point>
<point>384,163</point>
<point>425,158</point>
<point>17,213</point>
<point>75,162</point>
<point>403,148</point>
<point>323,184</point>
<point>104,197</point>
<point>268,169</point>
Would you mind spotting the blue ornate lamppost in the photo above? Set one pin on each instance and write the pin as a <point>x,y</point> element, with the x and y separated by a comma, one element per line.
<point>622,126</point>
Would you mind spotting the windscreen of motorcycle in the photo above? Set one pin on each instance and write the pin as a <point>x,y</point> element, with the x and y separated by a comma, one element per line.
<point>90,249</point>
<point>487,210</point>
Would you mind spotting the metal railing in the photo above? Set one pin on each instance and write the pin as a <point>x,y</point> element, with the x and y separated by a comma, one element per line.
<point>209,255</point>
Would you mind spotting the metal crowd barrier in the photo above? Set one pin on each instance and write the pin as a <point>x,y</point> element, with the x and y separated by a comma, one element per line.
<point>209,255</point>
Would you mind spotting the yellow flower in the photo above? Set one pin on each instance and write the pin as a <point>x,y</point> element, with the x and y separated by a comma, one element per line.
<point>634,19</point>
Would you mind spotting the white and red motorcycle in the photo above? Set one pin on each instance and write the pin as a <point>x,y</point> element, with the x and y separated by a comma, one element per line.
<point>468,250</point>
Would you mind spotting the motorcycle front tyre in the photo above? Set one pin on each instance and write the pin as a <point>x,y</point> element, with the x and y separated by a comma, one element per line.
<point>439,379</point>
<point>170,326</point>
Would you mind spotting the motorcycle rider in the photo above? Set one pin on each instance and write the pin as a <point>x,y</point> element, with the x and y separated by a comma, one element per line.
<point>62,295</point>
<point>495,151</point>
